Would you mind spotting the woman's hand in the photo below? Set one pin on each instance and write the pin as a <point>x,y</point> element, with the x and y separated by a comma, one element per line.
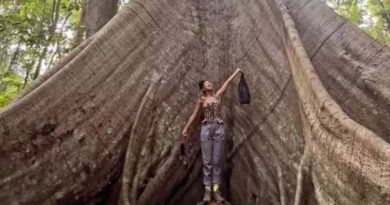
<point>184,135</point>
<point>224,86</point>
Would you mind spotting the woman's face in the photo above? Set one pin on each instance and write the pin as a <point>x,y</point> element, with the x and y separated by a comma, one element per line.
<point>207,85</point>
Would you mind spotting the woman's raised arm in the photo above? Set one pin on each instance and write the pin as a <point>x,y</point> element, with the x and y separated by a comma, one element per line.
<point>225,85</point>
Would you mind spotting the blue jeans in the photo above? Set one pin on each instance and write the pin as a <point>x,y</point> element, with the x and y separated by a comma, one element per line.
<point>212,139</point>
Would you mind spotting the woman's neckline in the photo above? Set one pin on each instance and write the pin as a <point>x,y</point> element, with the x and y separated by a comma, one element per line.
<point>210,103</point>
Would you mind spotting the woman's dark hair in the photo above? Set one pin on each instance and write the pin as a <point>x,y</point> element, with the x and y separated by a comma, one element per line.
<point>201,82</point>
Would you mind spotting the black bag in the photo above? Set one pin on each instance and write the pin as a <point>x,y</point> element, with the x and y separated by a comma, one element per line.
<point>243,91</point>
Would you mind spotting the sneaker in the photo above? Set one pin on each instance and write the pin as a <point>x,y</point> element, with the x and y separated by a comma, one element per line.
<point>218,197</point>
<point>207,195</point>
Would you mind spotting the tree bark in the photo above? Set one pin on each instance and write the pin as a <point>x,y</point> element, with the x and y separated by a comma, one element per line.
<point>96,13</point>
<point>101,127</point>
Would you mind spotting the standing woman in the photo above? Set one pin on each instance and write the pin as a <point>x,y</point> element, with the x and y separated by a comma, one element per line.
<point>212,135</point>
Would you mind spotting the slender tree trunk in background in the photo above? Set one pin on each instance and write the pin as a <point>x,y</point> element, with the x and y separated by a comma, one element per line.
<point>28,68</point>
<point>15,55</point>
<point>385,13</point>
<point>25,80</point>
<point>3,52</point>
<point>81,27</point>
<point>39,64</point>
<point>105,121</point>
<point>54,19</point>
<point>57,46</point>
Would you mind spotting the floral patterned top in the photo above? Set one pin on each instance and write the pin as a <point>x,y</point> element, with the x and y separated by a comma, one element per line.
<point>212,111</point>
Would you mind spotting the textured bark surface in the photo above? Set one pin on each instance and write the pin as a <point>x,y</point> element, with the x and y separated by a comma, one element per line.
<point>96,13</point>
<point>103,125</point>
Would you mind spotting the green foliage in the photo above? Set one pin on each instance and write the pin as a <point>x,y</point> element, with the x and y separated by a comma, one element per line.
<point>379,28</point>
<point>34,34</point>
<point>9,85</point>
<point>373,16</point>
<point>352,11</point>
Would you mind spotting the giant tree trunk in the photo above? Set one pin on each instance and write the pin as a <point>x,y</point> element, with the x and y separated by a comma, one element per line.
<point>315,133</point>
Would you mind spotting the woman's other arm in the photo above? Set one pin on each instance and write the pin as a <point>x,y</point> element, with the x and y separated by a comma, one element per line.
<point>225,85</point>
<point>192,117</point>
